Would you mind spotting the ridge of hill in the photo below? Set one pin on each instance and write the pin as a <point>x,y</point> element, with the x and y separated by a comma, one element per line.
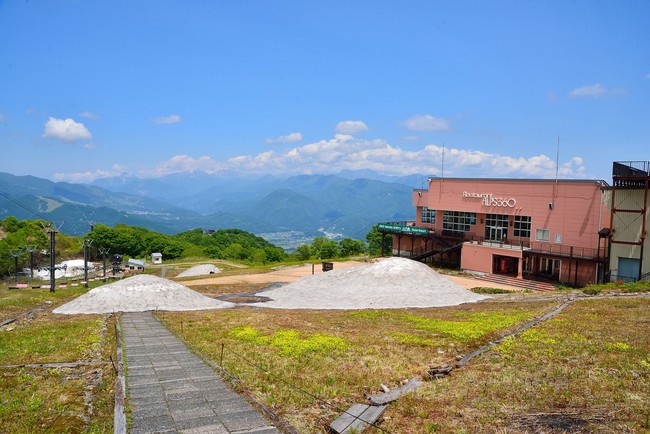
<point>307,205</point>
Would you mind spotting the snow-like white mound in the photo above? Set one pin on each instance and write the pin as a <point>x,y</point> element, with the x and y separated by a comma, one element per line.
<point>199,270</point>
<point>391,283</point>
<point>139,294</point>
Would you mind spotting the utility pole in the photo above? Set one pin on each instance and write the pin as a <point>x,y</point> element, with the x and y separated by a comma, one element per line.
<point>31,249</point>
<point>104,251</point>
<point>15,253</point>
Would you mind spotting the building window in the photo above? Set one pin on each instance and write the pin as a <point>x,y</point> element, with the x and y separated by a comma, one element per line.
<point>542,235</point>
<point>457,222</point>
<point>522,226</point>
<point>496,227</point>
<point>428,215</point>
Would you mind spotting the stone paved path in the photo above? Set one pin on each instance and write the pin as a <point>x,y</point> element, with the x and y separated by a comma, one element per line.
<point>171,390</point>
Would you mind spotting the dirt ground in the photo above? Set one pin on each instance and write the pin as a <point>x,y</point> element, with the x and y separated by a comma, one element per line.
<point>291,274</point>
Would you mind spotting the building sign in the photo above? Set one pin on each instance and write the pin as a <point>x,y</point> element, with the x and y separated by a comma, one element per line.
<point>403,229</point>
<point>488,199</point>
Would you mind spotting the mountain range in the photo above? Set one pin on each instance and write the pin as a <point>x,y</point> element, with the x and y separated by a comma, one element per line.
<point>286,211</point>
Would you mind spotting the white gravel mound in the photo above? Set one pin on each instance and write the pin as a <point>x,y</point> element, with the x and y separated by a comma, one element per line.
<point>391,283</point>
<point>140,293</point>
<point>199,270</point>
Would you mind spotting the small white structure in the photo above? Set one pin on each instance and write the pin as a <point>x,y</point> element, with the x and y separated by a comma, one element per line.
<point>135,265</point>
<point>156,258</point>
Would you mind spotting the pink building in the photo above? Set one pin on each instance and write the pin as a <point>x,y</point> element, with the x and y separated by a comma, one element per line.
<point>544,229</point>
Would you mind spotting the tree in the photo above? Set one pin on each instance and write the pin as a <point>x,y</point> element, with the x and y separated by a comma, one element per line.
<point>324,248</point>
<point>351,247</point>
<point>303,252</point>
<point>374,238</point>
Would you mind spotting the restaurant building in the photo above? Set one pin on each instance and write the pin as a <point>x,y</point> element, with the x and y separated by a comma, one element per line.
<point>529,229</point>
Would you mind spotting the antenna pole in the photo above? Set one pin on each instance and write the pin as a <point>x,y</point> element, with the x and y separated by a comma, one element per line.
<point>557,165</point>
<point>442,170</point>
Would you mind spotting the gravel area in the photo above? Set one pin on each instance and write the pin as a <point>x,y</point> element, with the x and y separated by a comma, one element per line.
<point>200,270</point>
<point>390,283</point>
<point>139,294</point>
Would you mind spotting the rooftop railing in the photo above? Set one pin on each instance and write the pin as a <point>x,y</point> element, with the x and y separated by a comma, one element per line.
<point>631,169</point>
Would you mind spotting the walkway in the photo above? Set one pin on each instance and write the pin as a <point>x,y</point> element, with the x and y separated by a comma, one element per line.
<point>171,390</point>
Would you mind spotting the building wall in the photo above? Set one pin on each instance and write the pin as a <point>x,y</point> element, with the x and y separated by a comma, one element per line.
<point>628,227</point>
<point>479,259</point>
<point>586,272</point>
<point>576,215</point>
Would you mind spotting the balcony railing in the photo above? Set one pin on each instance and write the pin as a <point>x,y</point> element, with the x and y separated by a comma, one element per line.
<point>567,251</point>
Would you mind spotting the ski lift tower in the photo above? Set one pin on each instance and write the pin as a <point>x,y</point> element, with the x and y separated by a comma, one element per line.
<point>31,249</point>
<point>16,253</point>
<point>85,244</point>
<point>104,251</point>
<point>52,229</point>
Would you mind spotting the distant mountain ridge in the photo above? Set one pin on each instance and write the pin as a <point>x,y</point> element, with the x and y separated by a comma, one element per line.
<point>305,205</point>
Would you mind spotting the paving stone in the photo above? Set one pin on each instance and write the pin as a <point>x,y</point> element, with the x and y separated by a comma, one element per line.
<point>242,420</point>
<point>155,423</point>
<point>216,428</point>
<point>193,413</point>
<point>145,390</point>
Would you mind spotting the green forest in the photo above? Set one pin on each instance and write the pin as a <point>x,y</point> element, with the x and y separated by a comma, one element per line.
<point>28,241</point>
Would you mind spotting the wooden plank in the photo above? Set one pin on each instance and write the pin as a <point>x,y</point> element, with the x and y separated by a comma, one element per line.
<point>385,398</point>
<point>357,418</point>
<point>343,421</point>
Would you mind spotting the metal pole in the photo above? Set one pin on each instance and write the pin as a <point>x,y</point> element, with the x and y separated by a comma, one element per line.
<point>104,251</point>
<point>86,244</point>
<point>31,249</point>
<point>15,253</point>
<point>52,261</point>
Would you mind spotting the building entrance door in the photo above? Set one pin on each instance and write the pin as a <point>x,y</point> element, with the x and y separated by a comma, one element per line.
<point>494,233</point>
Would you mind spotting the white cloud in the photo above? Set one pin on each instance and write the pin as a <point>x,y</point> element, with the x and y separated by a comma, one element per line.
<point>347,152</point>
<point>597,90</point>
<point>90,176</point>
<point>289,138</point>
<point>90,146</point>
<point>647,76</point>
<point>88,115</point>
<point>185,163</point>
<point>165,120</point>
<point>591,91</point>
<point>351,127</point>
<point>66,130</point>
<point>426,123</point>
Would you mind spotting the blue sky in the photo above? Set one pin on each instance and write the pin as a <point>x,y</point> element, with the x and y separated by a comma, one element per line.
<point>90,89</point>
